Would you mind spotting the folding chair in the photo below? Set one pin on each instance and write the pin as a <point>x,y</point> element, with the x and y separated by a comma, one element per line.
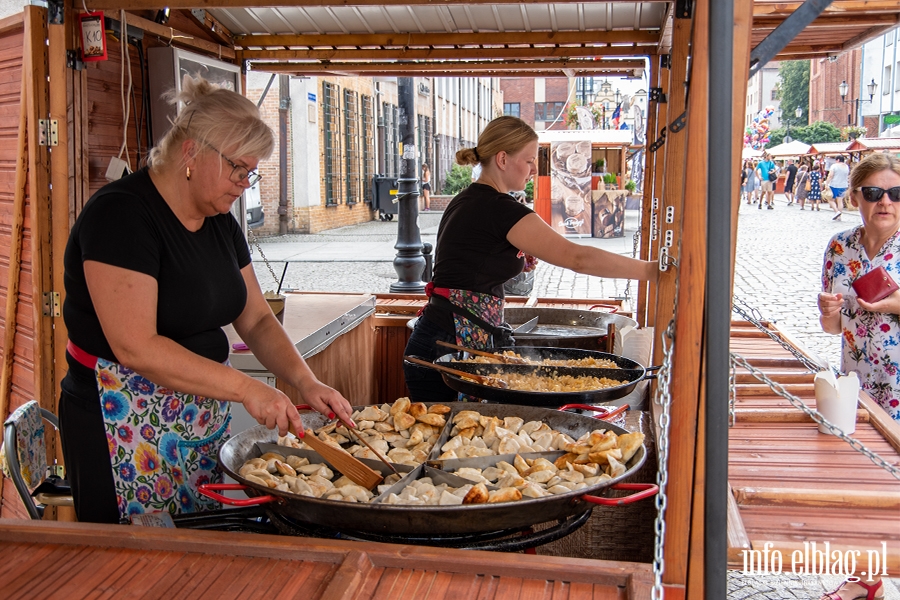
<point>23,458</point>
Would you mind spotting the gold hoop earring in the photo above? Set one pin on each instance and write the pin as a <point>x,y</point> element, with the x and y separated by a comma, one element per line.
<point>188,174</point>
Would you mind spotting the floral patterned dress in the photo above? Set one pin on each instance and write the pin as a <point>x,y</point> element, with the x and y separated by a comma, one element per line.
<point>815,190</point>
<point>870,341</point>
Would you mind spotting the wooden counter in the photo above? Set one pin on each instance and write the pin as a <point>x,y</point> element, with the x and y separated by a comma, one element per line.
<point>79,560</point>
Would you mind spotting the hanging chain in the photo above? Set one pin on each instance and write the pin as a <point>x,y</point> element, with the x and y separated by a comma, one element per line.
<point>635,242</point>
<point>752,315</point>
<point>663,398</point>
<point>255,241</point>
<point>814,415</point>
<point>732,394</point>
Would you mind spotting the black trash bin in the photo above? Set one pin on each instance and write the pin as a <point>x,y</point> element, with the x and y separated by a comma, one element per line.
<point>384,190</point>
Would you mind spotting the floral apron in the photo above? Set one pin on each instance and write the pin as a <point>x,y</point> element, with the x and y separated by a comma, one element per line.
<point>489,308</point>
<point>162,444</point>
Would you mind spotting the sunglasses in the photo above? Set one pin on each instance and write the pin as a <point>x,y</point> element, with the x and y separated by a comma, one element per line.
<point>874,194</point>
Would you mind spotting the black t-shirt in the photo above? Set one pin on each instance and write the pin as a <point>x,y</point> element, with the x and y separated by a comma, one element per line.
<point>792,172</point>
<point>128,224</point>
<point>472,250</point>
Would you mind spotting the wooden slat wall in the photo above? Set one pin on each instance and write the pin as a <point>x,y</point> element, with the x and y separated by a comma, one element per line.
<point>12,43</point>
<point>105,114</point>
<point>391,335</point>
<point>109,560</point>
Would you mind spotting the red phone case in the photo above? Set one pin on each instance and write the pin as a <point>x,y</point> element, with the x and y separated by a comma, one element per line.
<point>875,285</point>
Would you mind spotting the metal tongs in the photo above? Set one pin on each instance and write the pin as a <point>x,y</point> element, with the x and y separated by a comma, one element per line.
<point>361,439</point>
<point>510,360</point>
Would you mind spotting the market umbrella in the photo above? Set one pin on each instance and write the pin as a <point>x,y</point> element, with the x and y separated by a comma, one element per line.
<point>794,148</point>
<point>749,152</point>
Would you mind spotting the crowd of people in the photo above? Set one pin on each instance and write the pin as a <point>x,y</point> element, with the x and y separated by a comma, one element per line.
<point>812,182</point>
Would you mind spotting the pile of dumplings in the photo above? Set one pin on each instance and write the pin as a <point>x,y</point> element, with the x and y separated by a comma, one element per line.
<point>403,432</point>
<point>407,432</point>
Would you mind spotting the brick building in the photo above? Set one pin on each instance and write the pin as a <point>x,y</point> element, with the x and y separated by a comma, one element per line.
<point>342,131</point>
<point>825,77</point>
<point>539,101</point>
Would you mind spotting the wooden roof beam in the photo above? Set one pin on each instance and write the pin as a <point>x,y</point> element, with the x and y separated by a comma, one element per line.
<point>786,31</point>
<point>444,53</point>
<point>211,25</point>
<point>181,4</point>
<point>504,71</point>
<point>425,40</point>
<point>861,8</point>
<point>833,21</point>
<point>582,67</point>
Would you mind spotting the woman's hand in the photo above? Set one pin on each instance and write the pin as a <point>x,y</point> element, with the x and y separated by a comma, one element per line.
<point>531,263</point>
<point>327,401</point>
<point>830,311</point>
<point>272,408</point>
<point>889,305</point>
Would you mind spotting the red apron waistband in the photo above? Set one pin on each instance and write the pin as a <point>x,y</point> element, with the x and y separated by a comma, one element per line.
<point>83,357</point>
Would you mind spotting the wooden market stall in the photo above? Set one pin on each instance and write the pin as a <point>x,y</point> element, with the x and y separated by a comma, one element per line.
<point>865,146</point>
<point>691,170</point>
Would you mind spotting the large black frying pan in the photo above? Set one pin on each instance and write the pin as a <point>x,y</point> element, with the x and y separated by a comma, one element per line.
<point>629,371</point>
<point>436,520</point>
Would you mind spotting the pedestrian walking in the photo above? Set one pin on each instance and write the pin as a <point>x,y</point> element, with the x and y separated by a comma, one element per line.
<point>838,176</point>
<point>789,182</point>
<point>747,181</point>
<point>801,184</point>
<point>816,176</point>
<point>426,185</point>
<point>768,175</point>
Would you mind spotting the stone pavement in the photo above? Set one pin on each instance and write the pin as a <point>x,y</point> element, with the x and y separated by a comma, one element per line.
<point>778,274</point>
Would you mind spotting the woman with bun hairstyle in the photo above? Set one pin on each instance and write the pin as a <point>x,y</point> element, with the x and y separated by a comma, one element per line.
<point>155,266</point>
<point>485,238</point>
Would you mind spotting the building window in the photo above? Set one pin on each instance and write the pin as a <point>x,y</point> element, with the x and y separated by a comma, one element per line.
<point>368,146</point>
<point>331,117</point>
<point>548,111</point>
<point>352,141</point>
<point>511,108</point>
<point>886,81</point>
<point>424,141</point>
<point>774,93</point>
<point>392,139</point>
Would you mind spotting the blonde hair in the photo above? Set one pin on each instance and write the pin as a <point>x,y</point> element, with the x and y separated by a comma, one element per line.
<point>503,134</point>
<point>872,164</point>
<point>216,117</point>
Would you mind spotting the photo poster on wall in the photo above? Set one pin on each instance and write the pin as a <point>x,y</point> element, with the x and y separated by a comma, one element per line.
<point>570,188</point>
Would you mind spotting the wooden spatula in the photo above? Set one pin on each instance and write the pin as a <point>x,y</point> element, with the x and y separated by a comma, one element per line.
<point>344,462</point>
<point>512,360</point>
<point>488,380</point>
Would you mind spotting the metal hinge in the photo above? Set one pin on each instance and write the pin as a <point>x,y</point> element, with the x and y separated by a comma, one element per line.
<point>679,123</point>
<point>48,132</point>
<point>52,304</point>
<point>659,141</point>
<point>665,61</point>
<point>656,95</point>
<point>72,60</point>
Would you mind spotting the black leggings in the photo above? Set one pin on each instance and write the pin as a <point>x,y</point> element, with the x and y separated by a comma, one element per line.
<point>86,452</point>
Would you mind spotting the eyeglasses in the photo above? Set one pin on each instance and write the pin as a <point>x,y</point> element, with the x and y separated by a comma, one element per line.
<point>239,173</point>
<point>874,194</point>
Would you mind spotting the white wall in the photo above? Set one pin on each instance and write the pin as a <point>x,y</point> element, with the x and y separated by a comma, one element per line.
<point>305,141</point>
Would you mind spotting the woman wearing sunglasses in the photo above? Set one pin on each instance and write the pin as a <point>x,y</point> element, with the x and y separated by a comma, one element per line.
<point>870,332</point>
<point>155,266</point>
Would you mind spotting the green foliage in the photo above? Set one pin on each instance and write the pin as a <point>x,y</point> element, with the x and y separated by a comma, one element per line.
<point>817,133</point>
<point>529,191</point>
<point>609,179</point>
<point>457,180</point>
<point>598,165</point>
<point>630,185</point>
<point>794,91</point>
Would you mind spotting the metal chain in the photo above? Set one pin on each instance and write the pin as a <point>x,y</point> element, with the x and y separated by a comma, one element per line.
<point>663,398</point>
<point>753,316</point>
<point>814,415</point>
<point>732,394</point>
<point>255,241</point>
<point>635,242</point>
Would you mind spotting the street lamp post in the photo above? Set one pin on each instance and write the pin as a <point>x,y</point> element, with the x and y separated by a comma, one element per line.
<point>843,88</point>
